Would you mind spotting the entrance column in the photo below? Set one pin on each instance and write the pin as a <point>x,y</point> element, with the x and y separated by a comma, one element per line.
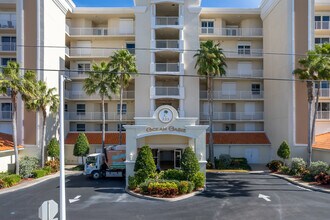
<point>131,151</point>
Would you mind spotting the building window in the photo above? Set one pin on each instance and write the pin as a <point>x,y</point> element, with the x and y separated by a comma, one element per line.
<point>322,22</point>
<point>81,109</point>
<point>256,88</point>
<point>106,127</point>
<point>230,127</point>
<point>130,47</point>
<point>324,107</point>
<point>7,20</point>
<point>8,43</point>
<point>81,127</point>
<point>124,108</point>
<point>83,67</point>
<point>122,127</point>
<point>66,107</point>
<point>207,27</point>
<point>6,109</point>
<point>322,40</point>
<point>244,49</point>
<point>4,61</point>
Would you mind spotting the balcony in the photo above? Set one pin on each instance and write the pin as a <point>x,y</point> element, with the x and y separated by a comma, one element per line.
<point>80,95</point>
<point>232,32</point>
<point>323,115</point>
<point>246,73</point>
<point>76,74</point>
<point>7,24</point>
<point>234,116</point>
<point>8,47</point>
<point>234,95</point>
<point>324,93</point>
<point>158,92</point>
<point>99,32</point>
<point>96,116</point>
<point>90,52</point>
<point>173,22</point>
<point>243,53</point>
<point>6,116</point>
<point>167,44</point>
<point>322,25</point>
<point>167,68</point>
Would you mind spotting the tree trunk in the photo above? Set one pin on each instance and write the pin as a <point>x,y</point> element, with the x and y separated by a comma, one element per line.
<point>315,111</point>
<point>43,137</point>
<point>82,160</point>
<point>103,123</point>
<point>310,94</point>
<point>121,107</point>
<point>14,116</point>
<point>209,99</point>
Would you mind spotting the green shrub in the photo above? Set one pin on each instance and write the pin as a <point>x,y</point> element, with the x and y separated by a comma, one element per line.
<point>173,175</point>
<point>307,176</point>
<point>132,183</point>
<point>39,173</point>
<point>191,186</point>
<point>323,178</point>
<point>223,162</point>
<point>199,180</point>
<point>189,163</point>
<point>145,165</point>
<point>48,170</point>
<point>54,165</point>
<point>285,170</point>
<point>10,180</point>
<point>144,187</point>
<point>81,147</point>
<point>275,165</point>
<point>183,187</point>
<point>209,164</point>
<point>284,151</point>
<point>53,148</point>
<point>318,167</point>
<point>239,163</point>
<point>2,184</point>
<point>298,165</point>
<point>27,165</point>
<point>163,189</point>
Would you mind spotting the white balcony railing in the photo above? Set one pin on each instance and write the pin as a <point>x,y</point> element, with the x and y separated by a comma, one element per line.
<point>167,67</point>
<point>246,73</point>
<point>6,115</point>
<point>98,116</point>
<point>7,24</point>
<point>324,92</point>
<point>239,53</point>
<point>234,116</point>
<point>80,95</point>
<point>167,21</point>
<point>162,91</point>
<point>79,74</point>
<point>167,44</point>
<point>10,47</point>
<point>236,95</point>
<point>322,25</point>
<point>240,32</point>
<point>323,115</point>
<point>100,32</point>
<point>90,52</point>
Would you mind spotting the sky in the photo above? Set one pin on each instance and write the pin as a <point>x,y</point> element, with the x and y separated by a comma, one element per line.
<point>205,3</point>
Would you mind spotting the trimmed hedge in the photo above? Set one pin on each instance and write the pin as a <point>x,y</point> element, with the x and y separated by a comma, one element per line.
<point>275,165</point>
<point>199,180</point>
<point>39,173</point>
<point>318,167</point>
<point>298,165</point>
<point>189,163</point>
<point>173,175</point>
<point>9,180</point>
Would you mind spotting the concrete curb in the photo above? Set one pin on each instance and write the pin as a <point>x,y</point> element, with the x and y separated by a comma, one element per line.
<point>187,196</point>
<point>36,181</point>
<point>304,185</point>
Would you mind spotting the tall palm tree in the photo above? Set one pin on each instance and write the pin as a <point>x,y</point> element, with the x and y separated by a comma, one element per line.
<point>123,64</point>
<point>43,98</point>
<point>18,84</point>
<point>313,68</point>
<point>211,62</point>
<point>101,81</point>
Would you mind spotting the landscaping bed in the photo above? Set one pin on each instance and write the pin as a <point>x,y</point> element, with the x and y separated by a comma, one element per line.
<point>226,162</point>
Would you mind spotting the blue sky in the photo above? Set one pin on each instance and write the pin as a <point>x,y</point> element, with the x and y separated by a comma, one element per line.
<point>205,3</point>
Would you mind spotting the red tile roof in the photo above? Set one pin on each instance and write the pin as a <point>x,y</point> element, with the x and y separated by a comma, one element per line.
<point>219,138</point>
<point>96,138</point>
<point>239,138</point>
<point>6,142</point>
<point>322,141</point>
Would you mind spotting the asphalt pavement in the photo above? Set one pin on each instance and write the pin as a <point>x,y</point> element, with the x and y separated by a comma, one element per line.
<point>228,196</point>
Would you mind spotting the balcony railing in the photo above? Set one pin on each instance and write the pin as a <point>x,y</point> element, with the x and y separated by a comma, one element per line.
<point>238,95</point>
<point>166,21</point>
<point>246,73</point>
<point>83,96</point>
<point>162,91</point>
<point>324,92</point>
<point>7,24</point>
<point>167,44</point>
<point>323,115</point>
<point>167,67</point>
<point>234,116</point>
<point>10,47</point>
<point>6,115</point>
<point>90,52</point>
<point>98,116</point>
<point>322,25</point>
<point>80,74</point>
<point>232,32</point>
<point>100,32</point>
<point>238,53</point>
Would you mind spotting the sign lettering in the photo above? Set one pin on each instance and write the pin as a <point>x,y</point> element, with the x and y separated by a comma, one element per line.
<point>170,128</point>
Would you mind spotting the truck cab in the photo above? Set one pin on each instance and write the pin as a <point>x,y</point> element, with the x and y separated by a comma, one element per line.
<point>93,165</point>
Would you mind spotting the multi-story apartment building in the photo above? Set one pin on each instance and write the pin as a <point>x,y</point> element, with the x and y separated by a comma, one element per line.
<point>257,105</point>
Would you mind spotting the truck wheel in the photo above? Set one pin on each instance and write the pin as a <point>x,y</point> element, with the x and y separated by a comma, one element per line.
<point>96,175</point>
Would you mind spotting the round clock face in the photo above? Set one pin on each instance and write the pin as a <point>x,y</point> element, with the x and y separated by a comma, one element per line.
<point>165,115</point>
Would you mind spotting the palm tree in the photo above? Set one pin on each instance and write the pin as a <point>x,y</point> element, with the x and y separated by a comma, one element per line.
<point>123,64</point>
<point>12,79</point>
<point>101,81</point>
<point>43,98</point>
<point>211,62</point>
<point>314,67</point>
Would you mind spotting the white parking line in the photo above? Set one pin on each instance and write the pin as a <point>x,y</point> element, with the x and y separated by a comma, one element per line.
<point>303,188</point>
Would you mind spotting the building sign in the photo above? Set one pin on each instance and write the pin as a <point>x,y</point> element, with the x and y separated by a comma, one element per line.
<point>165,115</point>
<point>170,128</point>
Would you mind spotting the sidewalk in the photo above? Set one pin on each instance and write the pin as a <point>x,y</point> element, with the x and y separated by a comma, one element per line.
<point>28,183</point>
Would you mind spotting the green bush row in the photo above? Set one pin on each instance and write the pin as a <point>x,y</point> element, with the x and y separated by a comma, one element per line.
<point>42,172</point>
<point>9,180</point>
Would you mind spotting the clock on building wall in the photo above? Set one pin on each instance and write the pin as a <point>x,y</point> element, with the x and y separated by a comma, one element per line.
<point>165,115</point>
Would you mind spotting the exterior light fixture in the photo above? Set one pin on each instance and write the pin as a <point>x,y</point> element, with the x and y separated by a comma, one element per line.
<point>131,156</point>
